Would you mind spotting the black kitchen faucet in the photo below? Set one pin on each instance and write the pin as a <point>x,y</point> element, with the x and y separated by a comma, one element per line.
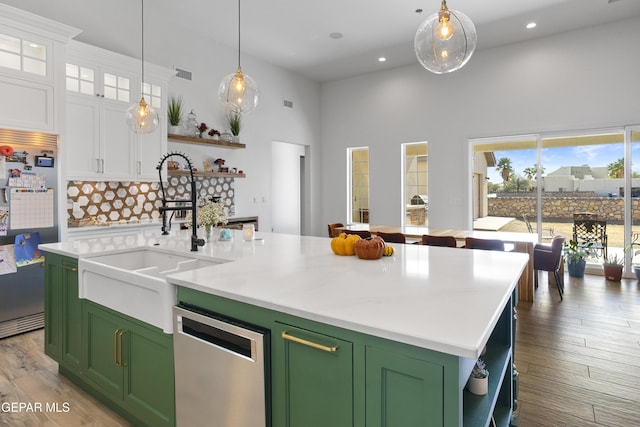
<point>193,207</point>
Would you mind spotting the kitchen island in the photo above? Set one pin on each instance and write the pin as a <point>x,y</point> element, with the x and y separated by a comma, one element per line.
<point>411,325</point>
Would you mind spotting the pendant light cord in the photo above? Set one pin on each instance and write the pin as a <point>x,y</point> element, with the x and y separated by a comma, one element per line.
<point>142,28</point>
<point>238,33</point>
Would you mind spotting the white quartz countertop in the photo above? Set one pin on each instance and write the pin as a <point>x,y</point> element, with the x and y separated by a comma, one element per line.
<point>443,299</point>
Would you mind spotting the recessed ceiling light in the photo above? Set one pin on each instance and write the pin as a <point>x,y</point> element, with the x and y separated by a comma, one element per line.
<point>531,25</point>
<point>382,59</point>
<point>336,35</point>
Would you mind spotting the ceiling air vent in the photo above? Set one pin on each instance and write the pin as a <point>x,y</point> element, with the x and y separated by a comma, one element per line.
<point>183,74</point>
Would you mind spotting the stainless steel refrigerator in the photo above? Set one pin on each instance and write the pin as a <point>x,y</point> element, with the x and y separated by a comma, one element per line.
<point>27,160</point>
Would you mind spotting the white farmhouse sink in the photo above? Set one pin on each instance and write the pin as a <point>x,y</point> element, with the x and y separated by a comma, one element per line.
<point>133,282</point>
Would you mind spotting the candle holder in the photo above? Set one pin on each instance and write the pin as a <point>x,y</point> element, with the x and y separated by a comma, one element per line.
<point>248,232</point>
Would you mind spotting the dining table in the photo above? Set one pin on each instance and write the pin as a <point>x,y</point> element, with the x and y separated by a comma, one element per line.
<point>521,242</point>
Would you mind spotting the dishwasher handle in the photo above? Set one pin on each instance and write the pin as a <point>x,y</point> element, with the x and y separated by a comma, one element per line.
<point>219,333</point>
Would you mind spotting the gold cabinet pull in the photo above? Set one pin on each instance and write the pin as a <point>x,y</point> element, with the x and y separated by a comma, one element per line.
<point>68,267</point>
<point>120,335</point>
<point>331,349</point>
<point>116,346</point>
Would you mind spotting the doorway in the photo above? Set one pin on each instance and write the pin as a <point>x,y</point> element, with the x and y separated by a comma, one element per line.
<point>288,187</point>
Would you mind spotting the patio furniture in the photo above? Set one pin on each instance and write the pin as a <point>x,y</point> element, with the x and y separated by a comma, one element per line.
<point>392,237</point>
<point>485,244</point>
<point>587,231</point>
<point>548,230</point>
<point>444,241</point>
<point>549,258</point>
<point>584,215</point>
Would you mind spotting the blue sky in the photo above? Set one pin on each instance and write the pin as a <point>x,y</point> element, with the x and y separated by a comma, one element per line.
<point>553,158</point>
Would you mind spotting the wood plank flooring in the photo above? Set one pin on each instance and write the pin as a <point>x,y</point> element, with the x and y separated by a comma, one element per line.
<point>579,359</point>
<point>579,364</point>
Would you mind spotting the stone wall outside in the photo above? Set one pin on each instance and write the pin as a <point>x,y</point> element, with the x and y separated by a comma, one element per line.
<point>561,208</point>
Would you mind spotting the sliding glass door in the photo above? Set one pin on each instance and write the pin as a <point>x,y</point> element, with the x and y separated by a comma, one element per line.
<point>548,183</point>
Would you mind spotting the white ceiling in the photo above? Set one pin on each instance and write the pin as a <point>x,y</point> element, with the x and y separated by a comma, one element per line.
<point>294,34</point>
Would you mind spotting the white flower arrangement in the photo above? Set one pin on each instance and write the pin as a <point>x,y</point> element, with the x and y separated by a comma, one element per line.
<point>210,214</point>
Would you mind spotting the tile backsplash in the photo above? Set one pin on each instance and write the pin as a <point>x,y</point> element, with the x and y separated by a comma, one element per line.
<point>89,202</point>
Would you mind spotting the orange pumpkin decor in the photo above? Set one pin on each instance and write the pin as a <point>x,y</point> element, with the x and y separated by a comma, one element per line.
<point>370,248</point>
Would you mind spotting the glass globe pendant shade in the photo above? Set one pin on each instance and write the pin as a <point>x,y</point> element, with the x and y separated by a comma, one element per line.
<point>238,92</point>
<point>445,41</point>
<point>142,118</point>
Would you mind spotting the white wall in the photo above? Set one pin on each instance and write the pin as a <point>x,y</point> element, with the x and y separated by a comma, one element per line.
<point>577,80</point>
<point>269,122</point>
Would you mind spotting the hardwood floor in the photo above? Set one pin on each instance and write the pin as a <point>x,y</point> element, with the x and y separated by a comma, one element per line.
<point>28,376</point>
<point>579,363</point>
<point>579,359</point>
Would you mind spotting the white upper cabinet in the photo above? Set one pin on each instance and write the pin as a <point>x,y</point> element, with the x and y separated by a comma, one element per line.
<point>100,87</point>
<point>32,53</point>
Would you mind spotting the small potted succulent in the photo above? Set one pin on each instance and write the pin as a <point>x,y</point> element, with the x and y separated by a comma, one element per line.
<point>174,112</point>
<point>635,267</point>
<point>202,128</point>
<point>479,379</point>
<point>576,257</point>
<point>612,267</point>
<point>234,121</point>
<point>214,134</point>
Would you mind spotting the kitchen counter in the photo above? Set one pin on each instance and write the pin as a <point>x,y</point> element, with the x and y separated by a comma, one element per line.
<point>442,299</point>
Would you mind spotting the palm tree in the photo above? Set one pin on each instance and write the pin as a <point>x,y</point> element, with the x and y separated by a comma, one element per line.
<point>616,169</point>
<point>504,167</point>
<point>532,172</point>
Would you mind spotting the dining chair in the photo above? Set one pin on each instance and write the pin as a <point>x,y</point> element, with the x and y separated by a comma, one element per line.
<point>549,258</point>
<point>485,244</point>
<point>362,233</point>
<point>392,237</point>
<point>445,241</point>
<point>332,227</point>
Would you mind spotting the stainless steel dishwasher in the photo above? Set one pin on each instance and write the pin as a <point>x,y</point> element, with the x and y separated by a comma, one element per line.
<point>221,370</point>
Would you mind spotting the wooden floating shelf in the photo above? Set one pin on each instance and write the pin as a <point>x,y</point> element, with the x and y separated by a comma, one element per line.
<point>205,141</point>
<point>206,174</point>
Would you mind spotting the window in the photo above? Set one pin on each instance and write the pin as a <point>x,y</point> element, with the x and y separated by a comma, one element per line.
<point>359,185</point>
<point>80,79</point>
<point>152,95</point>
<point>416,183</point>
<point>23,55</point>
<point>116,87</point>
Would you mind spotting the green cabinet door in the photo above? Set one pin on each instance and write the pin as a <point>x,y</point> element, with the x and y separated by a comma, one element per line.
<point>148,374</point>
<point>131,364</point>
<point>63,311</point>
<point>53,306</point>
<point>102,358</point>
<point>316,374</point>
<point>402,391</point>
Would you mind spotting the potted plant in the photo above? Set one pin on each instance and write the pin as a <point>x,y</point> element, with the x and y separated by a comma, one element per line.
<point>479,379</point>
<point>233,119</point>
<point>175,115</point>
<point>612,267</point>
<point>635,267</point>
<point>576,257</point>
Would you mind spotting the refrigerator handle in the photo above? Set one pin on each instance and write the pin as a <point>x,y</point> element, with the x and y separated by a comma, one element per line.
<point>4,194</point>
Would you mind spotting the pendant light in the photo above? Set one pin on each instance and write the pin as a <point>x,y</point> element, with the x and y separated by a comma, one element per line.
<point>445,41</point>
<point>141,117</point>
<point>238,91</point>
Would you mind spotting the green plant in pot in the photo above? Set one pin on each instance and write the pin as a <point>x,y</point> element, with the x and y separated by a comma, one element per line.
<point>576,256</point>
<point>234,121</point>
<point>174,111</point>
<point>612,267</point>
<point>635,267</point>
